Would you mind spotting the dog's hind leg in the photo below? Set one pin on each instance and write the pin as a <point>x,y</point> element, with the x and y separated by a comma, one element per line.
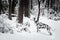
<point>50,33</point>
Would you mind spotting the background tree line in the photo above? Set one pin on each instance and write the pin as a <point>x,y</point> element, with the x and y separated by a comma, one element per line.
<point>24,7</point>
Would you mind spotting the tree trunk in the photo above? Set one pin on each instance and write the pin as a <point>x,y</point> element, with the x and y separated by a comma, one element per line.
<point>38,11</point>
<point>13,6</point>
<point>47,3</point>
<point>10,10</point>
<point>20,13</point>
<point>23,6</point>
<point>27,9</point>
<point>0,6</point>
<point>31,4</point>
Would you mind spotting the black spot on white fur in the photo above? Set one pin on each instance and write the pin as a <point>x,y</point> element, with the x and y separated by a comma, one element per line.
<point>44,26</point>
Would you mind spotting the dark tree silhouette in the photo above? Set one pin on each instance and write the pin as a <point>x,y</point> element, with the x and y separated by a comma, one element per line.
<point>31,4</point>
<point>13,6</point>
<point>14,2</point>
<point>10,9</point>
<point>20,14</point>
<point>38,11</point>
<point>54,4</point>
<point>23,6</point>
<point>0,5</point>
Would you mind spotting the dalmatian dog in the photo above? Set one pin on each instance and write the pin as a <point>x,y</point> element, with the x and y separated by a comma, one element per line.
<point>44,26</point>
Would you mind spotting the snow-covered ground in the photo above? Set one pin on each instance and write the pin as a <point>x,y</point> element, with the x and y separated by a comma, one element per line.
<point>32,34</point>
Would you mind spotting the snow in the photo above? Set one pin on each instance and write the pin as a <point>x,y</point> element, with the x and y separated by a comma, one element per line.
<point>26,35</point>
<point>31,26</point>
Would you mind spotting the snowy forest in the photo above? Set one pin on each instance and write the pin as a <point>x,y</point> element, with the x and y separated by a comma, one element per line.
<point>29,19</point>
